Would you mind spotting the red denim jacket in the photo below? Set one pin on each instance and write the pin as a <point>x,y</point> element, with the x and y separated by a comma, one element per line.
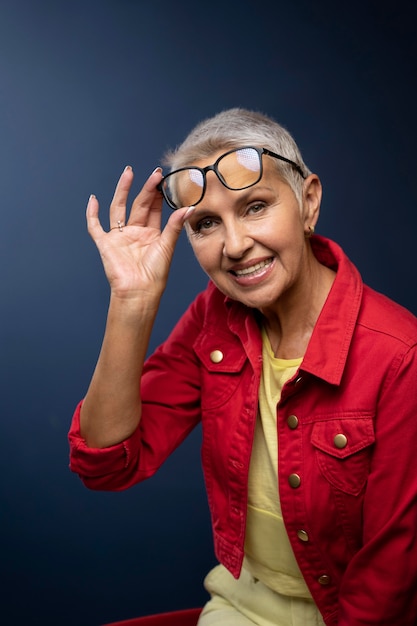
<point>347,433</point>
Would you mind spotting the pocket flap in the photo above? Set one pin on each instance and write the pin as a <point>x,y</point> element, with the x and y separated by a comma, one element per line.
<point>223,354</point>
<point>343,436</point>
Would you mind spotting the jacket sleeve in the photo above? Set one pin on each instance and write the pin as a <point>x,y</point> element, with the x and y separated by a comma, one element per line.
<point>170,391</point>
<point>380,584</point>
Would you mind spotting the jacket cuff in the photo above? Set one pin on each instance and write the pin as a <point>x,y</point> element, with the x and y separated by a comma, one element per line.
<point>95,462</point>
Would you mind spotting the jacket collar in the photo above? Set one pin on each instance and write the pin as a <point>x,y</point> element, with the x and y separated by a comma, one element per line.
<point>329,345</point>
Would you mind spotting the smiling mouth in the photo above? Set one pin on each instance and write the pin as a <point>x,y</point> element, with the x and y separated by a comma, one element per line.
<point>253,269</point>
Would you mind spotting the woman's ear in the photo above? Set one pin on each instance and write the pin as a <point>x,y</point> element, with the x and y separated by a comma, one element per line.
<point>312,193</point>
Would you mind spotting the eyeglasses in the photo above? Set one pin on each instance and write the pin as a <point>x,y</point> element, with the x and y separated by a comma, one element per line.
<point>237,169</point>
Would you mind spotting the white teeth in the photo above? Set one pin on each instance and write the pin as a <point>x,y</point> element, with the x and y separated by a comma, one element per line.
<point>253,268</point>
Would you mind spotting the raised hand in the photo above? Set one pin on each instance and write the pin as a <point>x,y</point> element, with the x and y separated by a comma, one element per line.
<point>136,255</point>
<point>136,252</point>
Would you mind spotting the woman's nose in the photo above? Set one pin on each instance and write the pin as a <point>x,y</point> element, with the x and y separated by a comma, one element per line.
<point>237,241</point>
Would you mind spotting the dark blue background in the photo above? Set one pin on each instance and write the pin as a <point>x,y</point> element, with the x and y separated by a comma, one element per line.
<point>85,88</point>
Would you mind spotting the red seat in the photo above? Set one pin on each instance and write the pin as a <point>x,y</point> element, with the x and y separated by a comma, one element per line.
<point>187,617</point>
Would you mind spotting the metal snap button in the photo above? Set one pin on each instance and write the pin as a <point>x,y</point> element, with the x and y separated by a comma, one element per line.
<point>216,356</point>
<point>294,480</point>
<point>292,421</point>
<point>324,580</point>
<point>340,441</point>
<point>302,535</point>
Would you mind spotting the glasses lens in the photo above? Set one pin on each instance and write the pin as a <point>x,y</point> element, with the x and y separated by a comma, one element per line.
<point>241,168</point>
<point>185,187</point>
<point>237,170</point>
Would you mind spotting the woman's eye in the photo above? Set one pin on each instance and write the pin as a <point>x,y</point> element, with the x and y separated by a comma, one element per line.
<point>204,224</point>
<point>256,208</point>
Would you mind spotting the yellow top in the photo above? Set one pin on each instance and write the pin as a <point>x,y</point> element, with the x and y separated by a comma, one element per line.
<point>268,553</point>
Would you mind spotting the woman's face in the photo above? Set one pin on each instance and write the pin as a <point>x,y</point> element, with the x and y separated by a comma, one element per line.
<point>251,243</point>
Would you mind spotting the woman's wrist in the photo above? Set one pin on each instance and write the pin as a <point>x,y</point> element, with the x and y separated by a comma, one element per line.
<point>138,305</point>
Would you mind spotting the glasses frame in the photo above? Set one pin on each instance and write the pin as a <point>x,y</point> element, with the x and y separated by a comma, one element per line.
<point>214,168</point>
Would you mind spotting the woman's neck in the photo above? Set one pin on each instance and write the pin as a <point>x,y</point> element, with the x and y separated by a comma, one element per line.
<point>290,324</point>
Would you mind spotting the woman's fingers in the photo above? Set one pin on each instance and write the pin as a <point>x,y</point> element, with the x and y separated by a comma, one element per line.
<point>145,212</point>
<point>146,209</point>
<point>147,206</point>
<point>173,228</point>
<point>119,202</point>
<point>141,254</point>
<point>93,223</point>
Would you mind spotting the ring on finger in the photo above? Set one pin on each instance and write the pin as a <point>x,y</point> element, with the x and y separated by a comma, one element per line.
<point>119,226</point>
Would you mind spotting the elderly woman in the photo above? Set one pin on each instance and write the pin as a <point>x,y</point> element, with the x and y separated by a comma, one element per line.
<point>304,379</point>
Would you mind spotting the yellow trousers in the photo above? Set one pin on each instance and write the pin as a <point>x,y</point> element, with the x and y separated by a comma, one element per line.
<point>248,602</point>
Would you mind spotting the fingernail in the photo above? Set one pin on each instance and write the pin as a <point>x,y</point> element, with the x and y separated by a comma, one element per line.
<point>128,167</point>
<point>92,196</point>
<point>157,169</point>
<point>188,212</point>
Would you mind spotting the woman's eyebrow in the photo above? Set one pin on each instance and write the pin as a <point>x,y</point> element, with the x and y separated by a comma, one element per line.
<point>244,195</point>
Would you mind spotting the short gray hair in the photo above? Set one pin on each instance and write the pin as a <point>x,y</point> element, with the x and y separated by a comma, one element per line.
<point>235,128</point>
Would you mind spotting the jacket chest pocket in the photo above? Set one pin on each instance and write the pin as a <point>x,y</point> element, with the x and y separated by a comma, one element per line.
<point>222,360</point>
<point>343,449</point>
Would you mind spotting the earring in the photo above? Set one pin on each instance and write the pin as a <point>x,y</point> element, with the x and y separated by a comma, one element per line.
<point>310,232</point>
